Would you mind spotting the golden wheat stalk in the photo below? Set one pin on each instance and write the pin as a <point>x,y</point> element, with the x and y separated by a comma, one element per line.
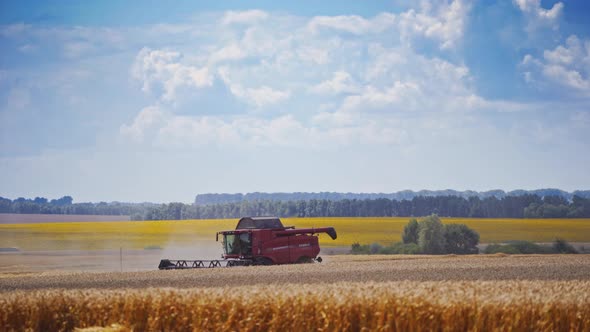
<point>402,306</point>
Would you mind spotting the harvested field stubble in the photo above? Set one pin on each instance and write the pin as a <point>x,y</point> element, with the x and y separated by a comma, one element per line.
<point>400,306</point>
<point>345,268</point>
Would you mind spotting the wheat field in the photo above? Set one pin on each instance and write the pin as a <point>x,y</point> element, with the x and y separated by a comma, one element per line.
<point>140,234</point>
<point>345,293</point>
<point>401,306</point>
<point>334,269</point>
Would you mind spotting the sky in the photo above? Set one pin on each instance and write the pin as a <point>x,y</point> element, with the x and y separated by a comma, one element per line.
<point>159,101</point>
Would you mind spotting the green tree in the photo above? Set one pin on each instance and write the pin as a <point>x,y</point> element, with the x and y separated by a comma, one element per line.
<point>460,239</point>
<point>431,239</point>
<point>561,246</point>
<point>410,233</point>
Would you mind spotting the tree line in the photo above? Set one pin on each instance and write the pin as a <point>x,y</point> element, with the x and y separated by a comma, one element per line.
<point>208,199</point>
<point>523,206</point>
<point>65,205</point>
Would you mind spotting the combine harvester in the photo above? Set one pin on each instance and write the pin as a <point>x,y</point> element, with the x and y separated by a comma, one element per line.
<point>260,241</point>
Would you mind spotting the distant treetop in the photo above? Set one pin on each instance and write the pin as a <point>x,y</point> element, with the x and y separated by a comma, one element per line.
<point>206,199</point>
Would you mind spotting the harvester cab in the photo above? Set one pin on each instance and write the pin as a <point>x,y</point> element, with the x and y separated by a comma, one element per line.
<point>237,243</point>
<point>262,241</point>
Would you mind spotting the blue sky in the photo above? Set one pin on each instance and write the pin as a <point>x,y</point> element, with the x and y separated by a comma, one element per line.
<point>151,101</point>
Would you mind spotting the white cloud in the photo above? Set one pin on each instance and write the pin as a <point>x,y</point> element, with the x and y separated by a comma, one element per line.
<point>153,67</point>
<point>256,42</point>
<point>374,98</point>
<point>352,24</point>
<point>567,66</point>
<point>229,52</point>
<point>244,17</point>
<point>444,23</point>
<point>316,55</point>
<point>271,61</point>
<point>293,67</point>
<point>388,87</point>
<point>149,118</point>
<point>383,60</point>
<point>261,96</point>
<point>184,131</point>
<point>566,77</point>
<point>415,82</point>
<point>537,16</point>
<point>341,82</point>
<point>264,42</point>
<point>575,52</point>
<point>281,131</point>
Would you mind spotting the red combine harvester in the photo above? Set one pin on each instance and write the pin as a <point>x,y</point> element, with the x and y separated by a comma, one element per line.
<point>261,241</point>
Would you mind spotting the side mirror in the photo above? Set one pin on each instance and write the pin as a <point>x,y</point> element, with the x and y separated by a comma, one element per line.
<point>216,237</point>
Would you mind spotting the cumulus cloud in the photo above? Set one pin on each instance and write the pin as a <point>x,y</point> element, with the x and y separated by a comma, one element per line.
<point>316,55</point>
<point>562,75</point>
<point>228,53</point>
<point>256,42</point>
<point>148,118</point>
<point>537,16</point>
<point>364,89</point>
<point>567,65</point>
<point>574,52</point>
<point>247,131</point>
<point>300,64</point>
<point>444,23</point>
<point>196,131</point>
<point>261,96</point>
<point>383,60</point>
<point>341,82</point>
<point>352,24</point>
<point>419,83</point>
<point>154,67</point>
<point>374,98</point>
<point>258,96</point>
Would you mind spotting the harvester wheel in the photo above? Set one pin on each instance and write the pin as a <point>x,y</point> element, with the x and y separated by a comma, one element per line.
<point>264,261</point>
<point>304,260</point>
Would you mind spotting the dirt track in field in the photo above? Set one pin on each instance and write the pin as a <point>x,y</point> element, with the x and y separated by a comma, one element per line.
<point>334,269</point>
